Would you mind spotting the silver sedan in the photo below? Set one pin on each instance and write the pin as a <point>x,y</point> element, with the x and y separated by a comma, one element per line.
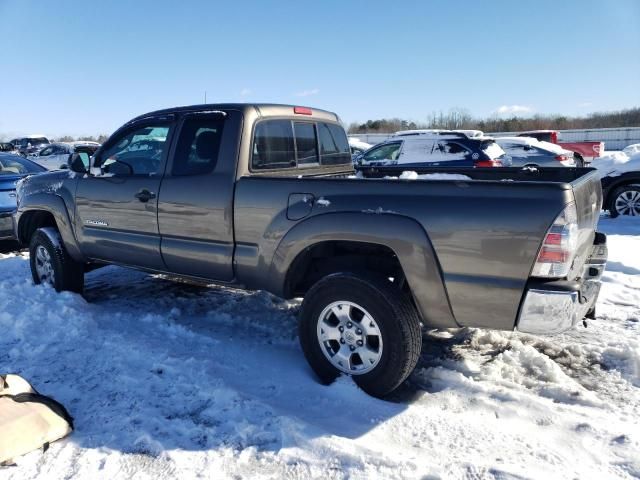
<point>530,152</point>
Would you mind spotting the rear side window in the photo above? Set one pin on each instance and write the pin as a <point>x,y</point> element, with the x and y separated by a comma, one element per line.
<point>306,143</point>
<point>452,149</point>
<point>492,149</point>
<point>334,146</point>
<point>279,144</point>
<point>198,146</point>
<point>273,145</point>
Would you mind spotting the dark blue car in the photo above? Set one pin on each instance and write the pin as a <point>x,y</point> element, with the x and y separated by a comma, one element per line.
<point>438,148</point>
<point>12,169</point>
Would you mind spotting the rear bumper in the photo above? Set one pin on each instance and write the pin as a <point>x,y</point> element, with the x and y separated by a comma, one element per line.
<point>555,306</point>
<point>6,226</point>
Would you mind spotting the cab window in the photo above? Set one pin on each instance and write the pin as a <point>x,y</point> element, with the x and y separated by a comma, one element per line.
<point>273,145</point>
<point>306,143</point>
<point>136,152</point>
<point>334,146</point>
<point>198,146</point>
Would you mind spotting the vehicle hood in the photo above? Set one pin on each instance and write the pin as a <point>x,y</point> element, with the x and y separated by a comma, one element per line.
<point>48,182</point>
<point>7,186</point>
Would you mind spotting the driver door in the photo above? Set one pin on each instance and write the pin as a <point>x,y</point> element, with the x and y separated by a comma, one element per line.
<point>117,207</point>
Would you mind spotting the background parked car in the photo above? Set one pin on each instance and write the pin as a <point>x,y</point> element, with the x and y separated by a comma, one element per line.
<point>7,147</point>
<point>528,151</point>
<point>12,169</point>
<point>583,152</point>
<point>620,177</point>
<point>56,156</point>
<point>30,144</point>
<point>468,148</point>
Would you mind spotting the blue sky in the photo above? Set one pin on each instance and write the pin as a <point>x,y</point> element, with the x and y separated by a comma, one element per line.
<point>78,67</point>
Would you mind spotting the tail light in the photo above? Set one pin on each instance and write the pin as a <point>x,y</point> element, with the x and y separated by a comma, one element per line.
<point>559,246</point>
<point>488,163</point>
<point>561,158</point>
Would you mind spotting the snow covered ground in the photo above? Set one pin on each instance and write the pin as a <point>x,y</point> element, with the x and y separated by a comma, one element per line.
<point>168,380</point>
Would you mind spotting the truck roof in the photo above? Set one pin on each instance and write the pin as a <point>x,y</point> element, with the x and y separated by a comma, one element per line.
<point>261,109</point>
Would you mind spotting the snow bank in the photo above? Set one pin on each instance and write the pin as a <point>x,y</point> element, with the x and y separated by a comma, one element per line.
<point>615,163</point>
<point>631,149</point>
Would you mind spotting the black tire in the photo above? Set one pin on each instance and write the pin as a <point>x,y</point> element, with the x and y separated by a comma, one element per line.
<point>611,206</point>
<point>397,319</point>
<point>68,275</point>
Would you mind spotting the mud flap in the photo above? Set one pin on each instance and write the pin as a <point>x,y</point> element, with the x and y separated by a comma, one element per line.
<point>28,420</point>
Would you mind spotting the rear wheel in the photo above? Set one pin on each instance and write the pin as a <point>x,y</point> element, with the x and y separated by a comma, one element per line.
<point>625,200</point>
<point>363,327</point>
<point>51,264</point>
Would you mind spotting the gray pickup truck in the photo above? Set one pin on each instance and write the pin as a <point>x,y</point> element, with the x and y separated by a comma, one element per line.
<point>265,197</point>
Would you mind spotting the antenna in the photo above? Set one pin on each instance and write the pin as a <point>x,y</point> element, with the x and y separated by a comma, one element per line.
<point>205,96</point>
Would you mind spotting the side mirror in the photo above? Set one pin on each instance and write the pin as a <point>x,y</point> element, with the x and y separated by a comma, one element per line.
<point>78,162</point>
<point>115,167</point>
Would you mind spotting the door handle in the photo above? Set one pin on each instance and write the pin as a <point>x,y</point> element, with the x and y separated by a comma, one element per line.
<point>145,195</point>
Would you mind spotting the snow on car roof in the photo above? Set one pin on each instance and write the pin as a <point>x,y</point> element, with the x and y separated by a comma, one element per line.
<point>517,140</point>
<point>357,143</point>
<point>440,133</point>
<point>539,131</point>
<point>532,142</point>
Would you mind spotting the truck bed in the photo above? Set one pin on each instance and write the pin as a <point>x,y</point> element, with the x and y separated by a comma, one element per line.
<point>485,232</point>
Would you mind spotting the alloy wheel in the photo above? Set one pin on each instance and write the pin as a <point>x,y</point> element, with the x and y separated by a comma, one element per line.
<point>628,203</point>
<point>349,337</point>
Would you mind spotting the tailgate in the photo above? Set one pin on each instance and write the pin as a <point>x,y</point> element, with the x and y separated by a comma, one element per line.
<point>587,193</point>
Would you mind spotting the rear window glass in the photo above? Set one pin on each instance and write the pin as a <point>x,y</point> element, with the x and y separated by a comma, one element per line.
<point>334,146</point>
<point>306,143</point>
<point>273,145</point>
<point>279,144</point>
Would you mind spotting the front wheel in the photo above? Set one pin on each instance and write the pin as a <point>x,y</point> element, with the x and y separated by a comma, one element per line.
<point>51,264</point>
<point>625,200</point>
<point>363,327</point>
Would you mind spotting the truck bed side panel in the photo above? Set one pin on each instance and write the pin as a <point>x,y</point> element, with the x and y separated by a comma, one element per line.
<point>485,234</point>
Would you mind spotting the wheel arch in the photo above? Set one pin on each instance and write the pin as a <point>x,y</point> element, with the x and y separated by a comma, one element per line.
<point>387,240</point>
<point>45,210</point>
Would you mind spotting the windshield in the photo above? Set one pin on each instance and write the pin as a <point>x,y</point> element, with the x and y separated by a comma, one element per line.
<point>18,166</point>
